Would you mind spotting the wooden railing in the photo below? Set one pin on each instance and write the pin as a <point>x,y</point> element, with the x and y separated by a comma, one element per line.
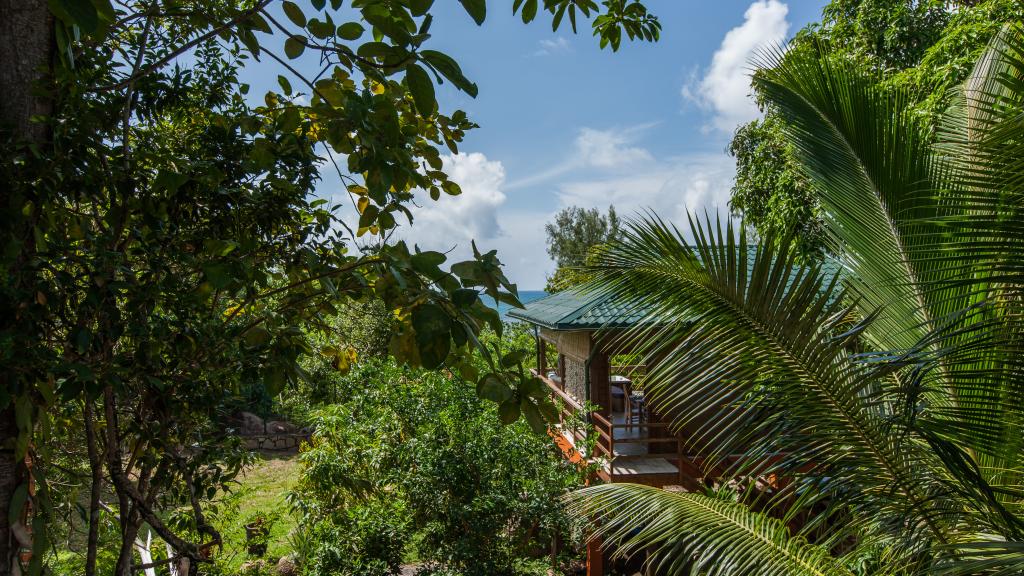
<point>607,441</point>
<point>605,429</point>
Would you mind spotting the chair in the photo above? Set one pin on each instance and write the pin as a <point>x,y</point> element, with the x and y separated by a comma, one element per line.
<point>637,409</point>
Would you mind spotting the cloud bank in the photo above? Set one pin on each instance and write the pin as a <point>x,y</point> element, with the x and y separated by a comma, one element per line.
<point>724,89</point>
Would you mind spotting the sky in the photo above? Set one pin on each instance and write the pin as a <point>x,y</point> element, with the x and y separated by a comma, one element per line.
<point>565,123</point>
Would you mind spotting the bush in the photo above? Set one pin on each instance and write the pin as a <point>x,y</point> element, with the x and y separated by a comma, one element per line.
<point>364,540</point>
<point>480,496</point>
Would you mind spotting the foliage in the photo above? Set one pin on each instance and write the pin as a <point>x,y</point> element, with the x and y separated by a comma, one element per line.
<point>880,409</point>
<point>480,495</point>
<point>163,248</point>
<point>368,540</point>
<point>922,50</point>
<point>573,234</point>
<point>769,191</point>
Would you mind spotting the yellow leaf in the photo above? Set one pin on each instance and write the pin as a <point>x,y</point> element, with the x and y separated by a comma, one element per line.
<point>376,87</point>
<point>362,204</point>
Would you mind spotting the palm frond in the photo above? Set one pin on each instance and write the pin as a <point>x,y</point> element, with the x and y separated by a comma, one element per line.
<point>871,167</point>
<point>752,356</point>
<point>698,534</point>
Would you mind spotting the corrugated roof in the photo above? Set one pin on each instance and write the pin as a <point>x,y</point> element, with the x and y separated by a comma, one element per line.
<point>574,310</point>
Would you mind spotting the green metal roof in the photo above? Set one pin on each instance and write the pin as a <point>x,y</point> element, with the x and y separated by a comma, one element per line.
<point>574,310</point>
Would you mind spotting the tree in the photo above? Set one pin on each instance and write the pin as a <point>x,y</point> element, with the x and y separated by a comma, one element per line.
<point>162,245</point>
<point>769,191</point>
<point>571,237</point>
<point>885,402</point>
<point>923,49</point>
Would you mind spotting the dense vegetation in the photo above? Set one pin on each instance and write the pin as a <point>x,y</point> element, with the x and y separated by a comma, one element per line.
<point>921,50</point>
<point>876,412</point>
<point>416,462</point>
<point>163,248</point>
<point>572,237</point>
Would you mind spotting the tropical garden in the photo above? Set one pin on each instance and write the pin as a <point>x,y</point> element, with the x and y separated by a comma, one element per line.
<point>884,399</point>
<point>166,265</point>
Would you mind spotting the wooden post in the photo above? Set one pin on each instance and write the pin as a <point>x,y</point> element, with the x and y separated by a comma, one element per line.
<point>542,355</point>
<point>600,390</point>
<point>595,558</point>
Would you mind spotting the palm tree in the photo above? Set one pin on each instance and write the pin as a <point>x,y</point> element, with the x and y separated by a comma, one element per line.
<point>887,401</point>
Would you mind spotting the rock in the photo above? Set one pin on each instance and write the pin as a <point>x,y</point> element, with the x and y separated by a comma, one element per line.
<point>252,425</point>
<point>281,427</point>
<point>253,567</point>
<point>286,567</point>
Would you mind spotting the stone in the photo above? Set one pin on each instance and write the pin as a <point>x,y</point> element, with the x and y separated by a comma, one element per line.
<point>252,425</point>
<point>286,567</point>
<point>281,427</point>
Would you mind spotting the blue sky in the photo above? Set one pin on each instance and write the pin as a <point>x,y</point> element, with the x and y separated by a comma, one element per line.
<point>565,123</point>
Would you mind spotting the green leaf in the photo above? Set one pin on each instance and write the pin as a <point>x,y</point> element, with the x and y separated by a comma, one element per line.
<point>514,358</point>
<point>286,86</point>
<point>274,380</point>
<point>422,89</point>
<point>17,503</point>
<point>169,181</point>
<point>490,387</point>
<point>433,328</point>
<point>257,337</point>
<point>427,263</point>
<point>508,411</point>
<point>319,4</point>
<point>320,29</point>
<point>465,297</point>
<point>294,13</point>
<point>217,275</point>
<point>529,11</point>
<point>450,69</point>
<point>533,416</point>
<point>294,47</point>
<point>351,30</point>
<point>81,13</point>
<point>477,9</point>
<point>289,120</point>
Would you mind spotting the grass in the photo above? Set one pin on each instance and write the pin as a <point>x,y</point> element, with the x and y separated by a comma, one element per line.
<point>262,489</point>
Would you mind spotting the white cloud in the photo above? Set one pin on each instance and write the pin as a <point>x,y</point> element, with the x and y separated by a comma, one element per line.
<point>548,46</point>
<point>608,149</point>
<point>669,189</point>
<point>455,220</point>
<point>479,214</point>
<point>611,150</point>
<point>725,87</point>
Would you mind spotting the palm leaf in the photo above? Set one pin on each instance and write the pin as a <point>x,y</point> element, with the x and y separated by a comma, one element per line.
<point>698,534</point>
<point>752,356</point>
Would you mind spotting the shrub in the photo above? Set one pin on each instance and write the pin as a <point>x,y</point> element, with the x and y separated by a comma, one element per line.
<point>480,496</point>
<point>364,540</point>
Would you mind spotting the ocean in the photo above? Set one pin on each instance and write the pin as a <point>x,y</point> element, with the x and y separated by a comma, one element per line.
<point>525,296</point>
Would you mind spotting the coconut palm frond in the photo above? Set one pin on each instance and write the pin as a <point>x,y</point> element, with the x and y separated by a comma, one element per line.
<point>870,165</point>
<point>752,356</point>
<point>698,534</point>
<point>989,557</point>
<point>981,139</point>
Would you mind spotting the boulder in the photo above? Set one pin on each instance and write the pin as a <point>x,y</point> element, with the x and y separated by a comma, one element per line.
<point>286,567</point>
<point>281,427</point>
<point>252,425</point>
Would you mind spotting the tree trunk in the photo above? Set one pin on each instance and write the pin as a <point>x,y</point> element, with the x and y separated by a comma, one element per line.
<point>26,51</point>
<point>96,486</point>
<point>9,479</point>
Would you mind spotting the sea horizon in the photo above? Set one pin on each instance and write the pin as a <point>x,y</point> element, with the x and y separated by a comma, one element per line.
<point>525,296</point>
